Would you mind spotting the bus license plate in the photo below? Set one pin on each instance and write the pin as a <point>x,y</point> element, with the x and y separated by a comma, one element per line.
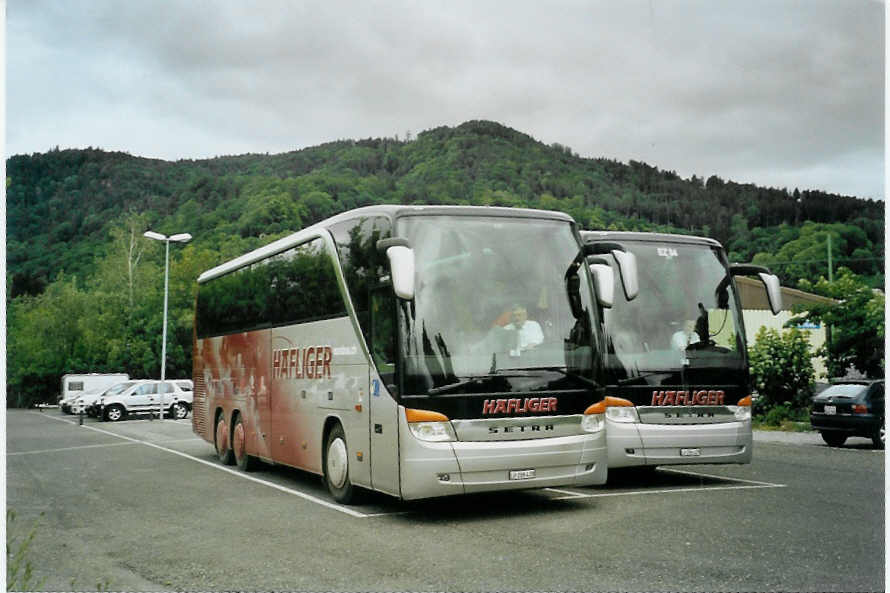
<point>831,410</point>
<point>522,474</point>
<point>690,452</point>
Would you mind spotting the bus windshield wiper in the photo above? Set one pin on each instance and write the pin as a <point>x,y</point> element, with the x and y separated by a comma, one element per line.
<point>470,381</point>
<point>640,376</point>
<point>452,386</point>
<point>568,374</point>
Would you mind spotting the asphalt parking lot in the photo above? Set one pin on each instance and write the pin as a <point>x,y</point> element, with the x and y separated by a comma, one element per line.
<point>143,505</point>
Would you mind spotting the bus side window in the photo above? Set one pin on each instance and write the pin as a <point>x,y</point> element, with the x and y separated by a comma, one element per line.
<point>383,335</point>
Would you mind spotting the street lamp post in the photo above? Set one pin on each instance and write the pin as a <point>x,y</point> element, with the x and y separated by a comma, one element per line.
<point>180,238</point>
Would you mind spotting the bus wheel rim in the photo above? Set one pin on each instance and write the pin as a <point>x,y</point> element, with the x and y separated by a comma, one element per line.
<point>238,441</point>
<point>337,463</point>
<point>221,436</point>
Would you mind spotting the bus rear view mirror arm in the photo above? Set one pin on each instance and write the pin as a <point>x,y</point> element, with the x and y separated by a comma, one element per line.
<point>770,281</point>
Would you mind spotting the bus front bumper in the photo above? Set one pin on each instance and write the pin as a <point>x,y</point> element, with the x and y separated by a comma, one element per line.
<point>635,444</point>
<point>439,469</point>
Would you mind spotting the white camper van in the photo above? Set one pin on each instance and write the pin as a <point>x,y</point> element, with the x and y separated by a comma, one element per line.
<point>74,386</point>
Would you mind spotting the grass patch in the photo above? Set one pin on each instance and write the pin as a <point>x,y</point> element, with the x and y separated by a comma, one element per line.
<point>19,568</point>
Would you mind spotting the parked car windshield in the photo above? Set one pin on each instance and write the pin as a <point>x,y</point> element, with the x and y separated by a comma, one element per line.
<point>120,388</point>
<point>844,390</point>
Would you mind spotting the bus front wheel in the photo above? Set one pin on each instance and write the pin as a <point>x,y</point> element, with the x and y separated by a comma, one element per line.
<point>336,466</point>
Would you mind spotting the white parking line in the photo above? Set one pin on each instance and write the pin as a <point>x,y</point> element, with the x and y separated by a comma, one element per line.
<point>749,484</point>
<point>668,491</point>
<point>688,473</point>
<point>67,449</point>
<point>239,474</point>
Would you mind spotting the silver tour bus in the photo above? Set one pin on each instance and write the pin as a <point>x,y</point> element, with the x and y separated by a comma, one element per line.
<point>676,360</point>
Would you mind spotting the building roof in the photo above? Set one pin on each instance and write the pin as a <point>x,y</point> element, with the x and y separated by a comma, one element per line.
<point>752,294</point>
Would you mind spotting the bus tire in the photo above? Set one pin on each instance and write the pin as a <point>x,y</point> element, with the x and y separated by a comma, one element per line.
<point>336,466</point>
<point>221,442</point>
<point>244,461</point>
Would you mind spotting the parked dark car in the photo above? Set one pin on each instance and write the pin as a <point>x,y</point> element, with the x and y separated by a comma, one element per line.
<point>848,408</point>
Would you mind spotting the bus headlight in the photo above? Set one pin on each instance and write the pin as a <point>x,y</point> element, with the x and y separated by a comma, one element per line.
<point>432,431</point>
<point>742,410</point>
<point>593,422</point>
<point>429,426</point>
<point>741,413</point>
<point>622,414</point>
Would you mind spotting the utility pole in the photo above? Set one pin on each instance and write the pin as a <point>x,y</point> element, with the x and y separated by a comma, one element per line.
<point>830,272</point>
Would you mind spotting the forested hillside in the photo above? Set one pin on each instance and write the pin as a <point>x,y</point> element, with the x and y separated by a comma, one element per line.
<point>76,217</point>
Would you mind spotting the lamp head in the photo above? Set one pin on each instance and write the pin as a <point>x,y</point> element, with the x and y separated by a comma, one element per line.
<point>154,235</point>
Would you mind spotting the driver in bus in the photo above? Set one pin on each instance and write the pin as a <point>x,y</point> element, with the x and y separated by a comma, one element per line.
<point>529,331</point>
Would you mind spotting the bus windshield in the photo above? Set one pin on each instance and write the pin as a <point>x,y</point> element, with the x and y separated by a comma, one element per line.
<point>686,315</point>
<point>491,311</point>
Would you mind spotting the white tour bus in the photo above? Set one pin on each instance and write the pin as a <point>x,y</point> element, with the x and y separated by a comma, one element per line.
<point>418,351</point>
<point>676,359</point>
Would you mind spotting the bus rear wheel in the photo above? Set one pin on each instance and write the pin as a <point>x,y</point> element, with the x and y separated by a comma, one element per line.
<point>336,466</point>
<point>221,442</point>
<point>239,447</point>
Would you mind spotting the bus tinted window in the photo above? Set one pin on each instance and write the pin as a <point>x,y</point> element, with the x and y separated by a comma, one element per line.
<point>363,265</point>
<point>294,286</point>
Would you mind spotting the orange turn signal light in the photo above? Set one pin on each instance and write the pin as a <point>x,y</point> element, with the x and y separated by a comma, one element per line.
<point>412,415</point>
<point>745,401</point>
<point>608,402</point>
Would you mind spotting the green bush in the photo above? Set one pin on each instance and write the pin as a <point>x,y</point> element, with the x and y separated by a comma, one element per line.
<point>781,369</point>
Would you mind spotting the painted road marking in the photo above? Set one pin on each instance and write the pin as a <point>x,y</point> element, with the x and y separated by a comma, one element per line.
<point>66,449</point>
<point>745,485</point>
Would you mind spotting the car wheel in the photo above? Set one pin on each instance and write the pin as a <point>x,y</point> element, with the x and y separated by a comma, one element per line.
<point>336,466</point>
<point>221,442</point>
<point>239,447</point>
<point>115,413</point>
<point>877,438</point>
<point>833,438</point>
<point>179,411</point>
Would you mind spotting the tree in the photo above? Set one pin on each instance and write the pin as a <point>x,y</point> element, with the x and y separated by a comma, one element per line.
<point>782,367</point>
<point>856,322</point>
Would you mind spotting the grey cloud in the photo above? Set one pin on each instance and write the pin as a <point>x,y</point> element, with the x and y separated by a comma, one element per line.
<point>785,92</point>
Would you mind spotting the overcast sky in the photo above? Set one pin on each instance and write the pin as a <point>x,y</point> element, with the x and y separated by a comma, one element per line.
<point>782,94</point>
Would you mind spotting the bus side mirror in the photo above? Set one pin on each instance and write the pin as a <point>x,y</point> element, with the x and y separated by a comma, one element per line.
<point>627,267</point>
<point>770,281</point>
<point>627,264</point>
<point>604,279</point>
<point>401,266</point>
<point>773,291</point>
